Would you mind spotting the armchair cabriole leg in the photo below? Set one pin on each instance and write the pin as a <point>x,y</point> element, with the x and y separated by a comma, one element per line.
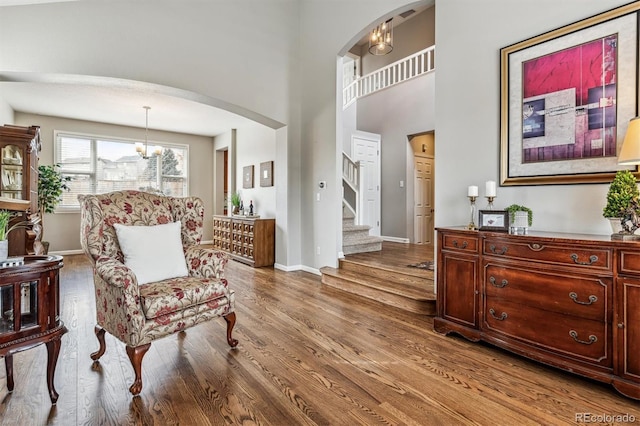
<point>100,335</point>
<point>135,356</point>
<point>231,321</point>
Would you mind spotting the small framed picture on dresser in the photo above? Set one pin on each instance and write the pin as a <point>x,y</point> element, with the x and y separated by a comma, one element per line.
<point>493,220</point>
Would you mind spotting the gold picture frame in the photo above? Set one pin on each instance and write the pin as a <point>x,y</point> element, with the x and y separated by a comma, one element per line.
<point>566,97</point>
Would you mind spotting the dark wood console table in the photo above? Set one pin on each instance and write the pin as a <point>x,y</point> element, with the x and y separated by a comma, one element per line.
<point>570,301</point>
<point>30,311</point>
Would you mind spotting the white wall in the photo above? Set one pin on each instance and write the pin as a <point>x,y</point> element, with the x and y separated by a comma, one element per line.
<point>467,110</point>
<point>6,113</point>
<point>62,230</point>
<point>257,144</point>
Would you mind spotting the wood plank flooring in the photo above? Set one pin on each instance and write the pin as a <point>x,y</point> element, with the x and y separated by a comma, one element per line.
<point>308,355</point>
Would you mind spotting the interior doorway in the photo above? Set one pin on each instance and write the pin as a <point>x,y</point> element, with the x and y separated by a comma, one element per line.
<point>221,187</point>
<point>423,198</point>
<point>365,148</point>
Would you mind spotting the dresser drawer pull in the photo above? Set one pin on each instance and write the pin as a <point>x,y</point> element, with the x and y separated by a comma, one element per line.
<point>592,299</point>
<point>574,334</point>
<point>592,259</point>
<point>502,284</point>
<point>494,250</point>
<point>502,317</point>
<point>456,245</point>
<point>536,247</point>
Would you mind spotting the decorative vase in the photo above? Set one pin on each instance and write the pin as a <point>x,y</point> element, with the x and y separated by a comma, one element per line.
<point>520,225</point>
<point>616,226</point>
<point>4,249</point>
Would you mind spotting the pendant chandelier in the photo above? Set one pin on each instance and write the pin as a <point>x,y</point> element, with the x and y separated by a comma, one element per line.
<point>381,38</point>
<point>143,150</point>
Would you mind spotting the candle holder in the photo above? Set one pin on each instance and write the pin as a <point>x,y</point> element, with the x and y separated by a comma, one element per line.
<point>490,202</point>
<point>472,224</point>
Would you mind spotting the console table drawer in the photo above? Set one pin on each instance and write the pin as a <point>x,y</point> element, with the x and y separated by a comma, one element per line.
<point>629,262</point>
<point>460,242</point>
<point>531,250</point>
<point>549,331</point>
<point>581,296</point>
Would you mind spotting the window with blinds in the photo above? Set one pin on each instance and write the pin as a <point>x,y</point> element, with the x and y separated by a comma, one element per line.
<point>100,164</point>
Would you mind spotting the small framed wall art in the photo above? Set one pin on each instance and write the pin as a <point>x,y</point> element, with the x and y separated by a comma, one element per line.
<point>247,177</point>
<point>494,220</point>
<point>266,173</point>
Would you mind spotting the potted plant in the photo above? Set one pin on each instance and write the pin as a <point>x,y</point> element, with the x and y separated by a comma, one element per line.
<point>235,202</point>
<point>51,184</point>
<point>5,228</point>
<point>622,190</point>
<point>520,219</point>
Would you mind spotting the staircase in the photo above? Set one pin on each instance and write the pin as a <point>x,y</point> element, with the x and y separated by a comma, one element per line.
<point>368,276</point>
<point>356,238</point>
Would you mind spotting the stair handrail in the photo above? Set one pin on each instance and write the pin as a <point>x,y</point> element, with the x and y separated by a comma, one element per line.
<point>400,71</point>
<point>351,172</point>
<point>352,175</point>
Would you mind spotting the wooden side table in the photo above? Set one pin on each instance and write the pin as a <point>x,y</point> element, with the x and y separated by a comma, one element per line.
<point>30,311</point>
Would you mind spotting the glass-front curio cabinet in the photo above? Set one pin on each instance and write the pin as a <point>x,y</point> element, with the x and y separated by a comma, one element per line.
<point>19,149</point>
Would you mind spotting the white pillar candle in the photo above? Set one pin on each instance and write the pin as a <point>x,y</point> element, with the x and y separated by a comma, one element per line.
<point>490,190</point>
<point>473,191</point>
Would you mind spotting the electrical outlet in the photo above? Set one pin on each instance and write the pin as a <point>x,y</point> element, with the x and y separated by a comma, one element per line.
<point>318,250</point>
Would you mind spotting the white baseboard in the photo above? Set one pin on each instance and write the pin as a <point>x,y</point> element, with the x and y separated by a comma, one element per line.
<point>297,268</point>
<point>67,252</point>
<point>396,240</point>
<point>312,270</point>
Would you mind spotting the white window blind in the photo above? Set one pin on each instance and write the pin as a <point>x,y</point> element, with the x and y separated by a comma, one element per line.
<point>100,164</point>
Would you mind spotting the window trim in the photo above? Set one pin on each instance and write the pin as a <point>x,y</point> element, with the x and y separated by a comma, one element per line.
<point>94,158</point>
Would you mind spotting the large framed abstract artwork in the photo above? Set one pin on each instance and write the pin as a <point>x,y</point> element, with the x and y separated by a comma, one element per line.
<point>566,98</point>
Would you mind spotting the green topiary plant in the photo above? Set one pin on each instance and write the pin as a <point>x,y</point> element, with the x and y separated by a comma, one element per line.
<point>513,208</point>
<point>621,191</point>
<point>51,184</point>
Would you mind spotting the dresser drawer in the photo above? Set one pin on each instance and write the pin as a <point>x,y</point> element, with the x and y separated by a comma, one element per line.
<point>629,262</point>
<point>574,337</point>
<point>535,251</point>
<point>587,296</point>
<point>460,242</point>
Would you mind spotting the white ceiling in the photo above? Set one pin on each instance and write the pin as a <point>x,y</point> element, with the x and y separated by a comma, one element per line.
<point>121,102</point>
<point>121,106</point>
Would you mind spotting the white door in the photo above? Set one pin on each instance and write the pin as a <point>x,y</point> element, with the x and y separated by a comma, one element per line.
<point>423,199</point>
<point>366,149</point>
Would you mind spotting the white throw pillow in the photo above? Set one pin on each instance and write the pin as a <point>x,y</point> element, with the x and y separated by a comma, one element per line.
<point>153,253</point>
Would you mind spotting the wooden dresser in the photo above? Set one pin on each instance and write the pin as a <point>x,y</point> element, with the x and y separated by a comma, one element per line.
<point>570,301</point>
<point>248,240</point>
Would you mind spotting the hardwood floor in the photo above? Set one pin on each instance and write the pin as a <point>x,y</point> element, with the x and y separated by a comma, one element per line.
<point>308,354</point>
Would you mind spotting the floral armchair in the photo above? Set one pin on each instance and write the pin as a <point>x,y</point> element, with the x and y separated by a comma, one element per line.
<point>138,314</point>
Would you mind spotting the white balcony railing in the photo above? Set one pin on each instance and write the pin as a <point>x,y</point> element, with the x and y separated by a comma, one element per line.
<point>410,67</point>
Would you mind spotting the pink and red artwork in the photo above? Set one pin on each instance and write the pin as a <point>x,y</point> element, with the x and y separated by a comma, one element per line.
<point>569,103</point>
